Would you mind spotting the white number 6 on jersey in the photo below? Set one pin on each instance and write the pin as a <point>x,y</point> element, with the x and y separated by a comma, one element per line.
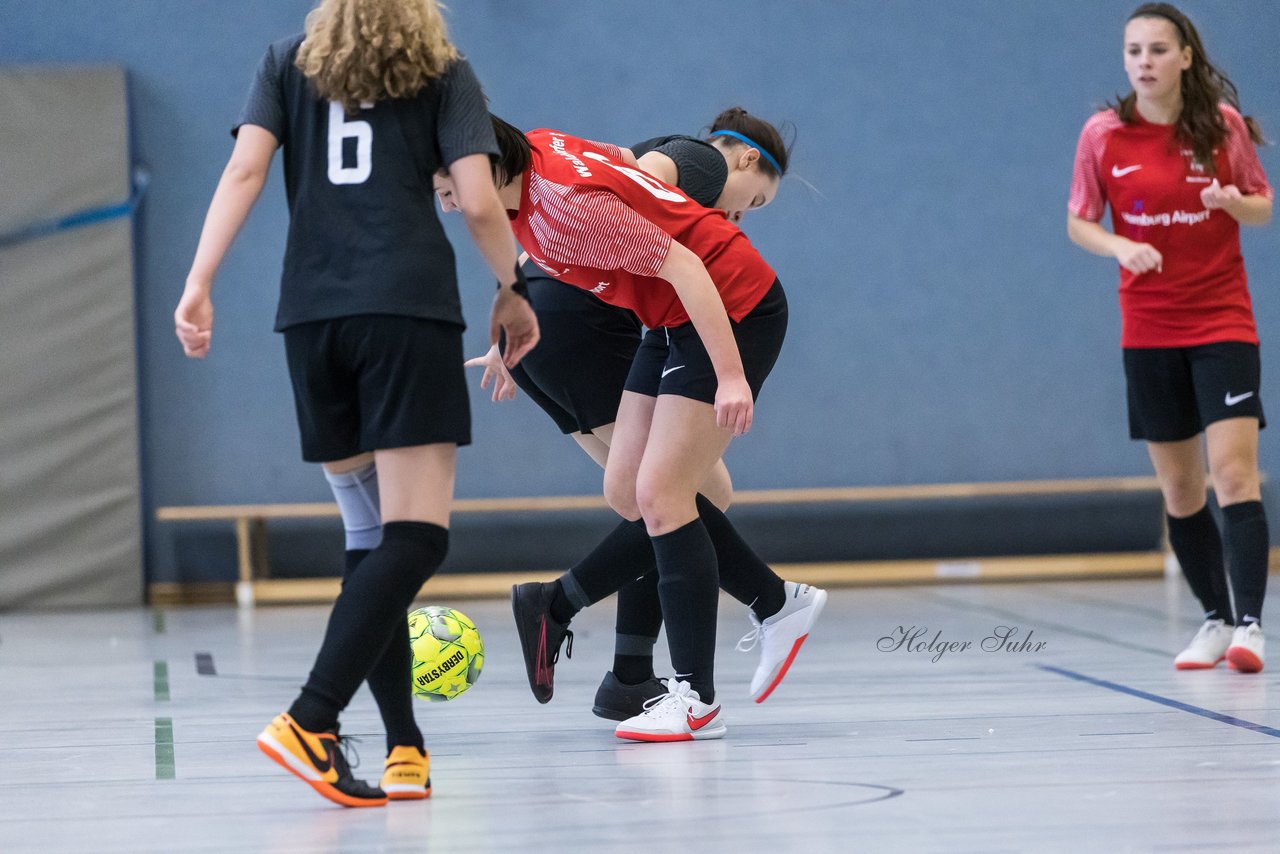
<point>341,128</point>
<point>647,181</point>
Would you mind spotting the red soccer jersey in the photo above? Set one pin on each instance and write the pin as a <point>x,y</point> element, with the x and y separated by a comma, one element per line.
<point>591,221</point>
<point>1200,295</point>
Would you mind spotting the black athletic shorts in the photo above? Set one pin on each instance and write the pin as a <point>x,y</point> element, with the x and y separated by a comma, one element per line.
<point>577,371</point>
<point>1175,392</point>
<point>673,360</point>
<point>373,382</point>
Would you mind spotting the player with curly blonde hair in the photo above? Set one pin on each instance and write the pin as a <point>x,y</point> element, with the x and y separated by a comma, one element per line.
<point>368,50</point>
<point>367,106</point>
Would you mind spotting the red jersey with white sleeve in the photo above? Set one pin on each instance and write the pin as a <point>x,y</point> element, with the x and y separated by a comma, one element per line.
<point>1152,183</point>
<point>594,222</point>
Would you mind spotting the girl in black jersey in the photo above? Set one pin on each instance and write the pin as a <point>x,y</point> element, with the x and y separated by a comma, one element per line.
<point>367,105</point>
<point>576,375</point>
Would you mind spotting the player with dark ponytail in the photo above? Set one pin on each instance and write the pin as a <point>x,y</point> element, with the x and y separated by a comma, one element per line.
<point>577,374</point>
<point>585,402</point>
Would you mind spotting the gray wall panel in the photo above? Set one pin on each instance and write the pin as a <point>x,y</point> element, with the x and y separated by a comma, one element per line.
<point>69,486</point>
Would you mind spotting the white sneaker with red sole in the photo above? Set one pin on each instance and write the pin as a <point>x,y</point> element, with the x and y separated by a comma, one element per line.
<point>1207,648</point>
<point>781,636</point>
<point>678,715</point>
<point>1247,648</point>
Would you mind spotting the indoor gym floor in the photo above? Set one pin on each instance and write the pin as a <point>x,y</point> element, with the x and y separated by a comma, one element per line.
<point>133,730</point>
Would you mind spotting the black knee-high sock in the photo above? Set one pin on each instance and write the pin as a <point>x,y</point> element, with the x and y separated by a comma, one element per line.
<point>1248,544</point>
<point>622,557</point>
<point>390,680</point>
<point>689,590</point>
<point>638,622</point>
<point>369,609</point>
<point>1197,545</point>
<point>742,574</point>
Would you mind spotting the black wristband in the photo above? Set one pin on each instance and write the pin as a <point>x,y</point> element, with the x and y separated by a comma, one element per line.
<point>521,284</point>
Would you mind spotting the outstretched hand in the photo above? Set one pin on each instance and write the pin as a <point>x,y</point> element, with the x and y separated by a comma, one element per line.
<point>504,387</point>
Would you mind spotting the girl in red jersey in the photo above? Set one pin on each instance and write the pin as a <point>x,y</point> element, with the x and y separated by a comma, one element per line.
<point>1176,162</point>
<point>716,316</point>
<point>577,375</point>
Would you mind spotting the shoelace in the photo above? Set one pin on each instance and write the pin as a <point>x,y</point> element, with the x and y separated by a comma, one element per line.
<point>750,639</point>
<point>566,645</point>
<point>542,673</point>
<point>677,693</point>
<point>757,634</point>
<point>347,746</point>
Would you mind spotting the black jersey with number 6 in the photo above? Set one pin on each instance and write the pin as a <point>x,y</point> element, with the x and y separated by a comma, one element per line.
<point>364,236</point>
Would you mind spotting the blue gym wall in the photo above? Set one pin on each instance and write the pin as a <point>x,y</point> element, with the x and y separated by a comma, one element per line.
<point>943,328</point>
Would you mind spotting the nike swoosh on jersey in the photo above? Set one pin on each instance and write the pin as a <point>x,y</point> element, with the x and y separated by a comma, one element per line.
<point>1233,399</point>
<point>321,764</point>
<point>696,724</point>
<point>1117,172</point>
<point>669,370</point>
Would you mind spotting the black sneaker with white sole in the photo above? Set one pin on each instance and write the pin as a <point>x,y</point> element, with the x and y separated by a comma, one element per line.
<point>618,701</point>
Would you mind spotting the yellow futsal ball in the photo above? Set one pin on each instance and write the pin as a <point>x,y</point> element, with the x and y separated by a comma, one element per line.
<point>448,653</point>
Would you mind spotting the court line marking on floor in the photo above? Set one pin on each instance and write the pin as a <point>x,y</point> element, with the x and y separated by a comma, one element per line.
<point>161,680</point>
<point>1041,623</point>
<point>206,667</point>
<point>1164,701</point>
<point>165,769</point>
<point>157,620</point>
<point>1123,607</point>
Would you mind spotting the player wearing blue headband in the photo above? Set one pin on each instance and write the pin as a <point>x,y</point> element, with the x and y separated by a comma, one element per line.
<point>735,170</point>
<point>754,161</point>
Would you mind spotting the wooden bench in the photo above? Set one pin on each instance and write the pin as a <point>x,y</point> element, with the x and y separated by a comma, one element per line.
<point>255,584</point>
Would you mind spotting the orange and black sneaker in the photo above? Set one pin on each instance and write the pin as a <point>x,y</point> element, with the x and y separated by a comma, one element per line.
<point>407,774</point>
<point>317,759</point>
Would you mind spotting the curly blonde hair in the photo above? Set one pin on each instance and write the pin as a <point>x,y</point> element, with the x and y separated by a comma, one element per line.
<point>368,50</point>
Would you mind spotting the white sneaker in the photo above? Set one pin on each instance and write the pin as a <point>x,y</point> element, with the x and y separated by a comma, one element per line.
<point>1207,648</point>
<point>678,715</point>
<point>1247,647</point>
<point>781,635</point>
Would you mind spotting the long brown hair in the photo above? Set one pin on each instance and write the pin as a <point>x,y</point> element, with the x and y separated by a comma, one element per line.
<point>369,50</point>
<point>1204,87</point>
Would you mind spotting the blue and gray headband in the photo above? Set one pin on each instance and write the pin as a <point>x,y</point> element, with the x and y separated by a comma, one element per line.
<point>764,152</point>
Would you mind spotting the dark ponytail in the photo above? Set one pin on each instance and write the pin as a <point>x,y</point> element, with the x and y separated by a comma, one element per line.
<point>762,133</point>
<point>1204,87</point>
<point>514,152</point>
